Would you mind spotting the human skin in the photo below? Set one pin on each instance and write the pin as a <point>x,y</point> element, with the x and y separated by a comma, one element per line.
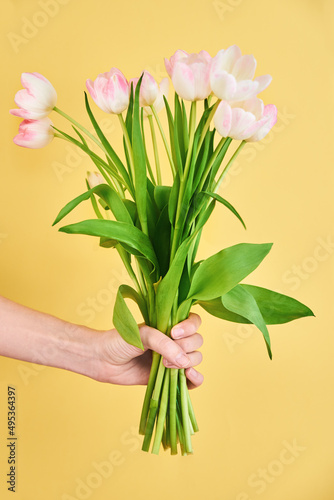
<point>104,356</point>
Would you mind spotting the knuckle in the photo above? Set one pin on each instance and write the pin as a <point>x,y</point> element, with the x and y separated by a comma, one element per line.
<point>165,346</point>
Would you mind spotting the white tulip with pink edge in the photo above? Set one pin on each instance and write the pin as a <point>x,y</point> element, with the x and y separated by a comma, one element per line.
<point>249,120</point>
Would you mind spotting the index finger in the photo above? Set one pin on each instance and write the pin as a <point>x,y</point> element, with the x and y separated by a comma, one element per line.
<point>187,327</point>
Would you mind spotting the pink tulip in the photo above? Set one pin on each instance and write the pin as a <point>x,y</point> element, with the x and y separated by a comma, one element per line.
<point>110,91</point>
<point>159,103</point>
<point>151,93</point>
<point>37,99</point>
<point>190,74</point>
<point>246,121</point>
<point>231,76</point>
<point>34,134</point>
<point>95,179</point>
<point>149,89</point>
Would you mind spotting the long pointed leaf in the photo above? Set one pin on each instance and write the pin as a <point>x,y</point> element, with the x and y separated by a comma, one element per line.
<point>240,301</point>
<point>226,204</point>
<point>139,162</point>
<point>106,144</point>
<point>120,231</point>
<point>221,272</point>
<point>125,323</point>
<point>108,195</point>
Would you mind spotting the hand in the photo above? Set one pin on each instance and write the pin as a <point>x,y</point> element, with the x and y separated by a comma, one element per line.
<point>121,363</point>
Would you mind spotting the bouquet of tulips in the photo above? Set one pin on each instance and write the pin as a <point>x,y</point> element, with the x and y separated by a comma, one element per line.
<point>156,228</point>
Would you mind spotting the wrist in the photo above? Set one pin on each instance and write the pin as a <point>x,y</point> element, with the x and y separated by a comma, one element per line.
<point>76,350</point>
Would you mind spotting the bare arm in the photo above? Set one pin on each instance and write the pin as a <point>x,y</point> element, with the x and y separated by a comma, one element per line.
<point>36,337</point>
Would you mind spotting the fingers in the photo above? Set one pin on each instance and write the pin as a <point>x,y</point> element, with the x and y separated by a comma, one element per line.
<point>195,358</point>
<point>187,327</point>
<point>159,342</point>
<point>181,352</point>
<point>195,379</point>
<point>192,343</point>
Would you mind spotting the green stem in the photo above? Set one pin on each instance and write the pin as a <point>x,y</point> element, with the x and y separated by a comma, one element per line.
<point>185,412</point>
<point>149,168</point>
<point>149,391</point>
<point>124,256</point>
<point>192,413</point>
<point>192,127</point>
<point>207,125</point>
<point>128,145</point>
<point>154,403</point>
<point>228,166</point>
<point>83,129</point>
<point>173,373</point>
<point>169,154</point>
<point>162,414</point>
<point>181,435</point>
<point>211,162</point>
<point>155,148</point>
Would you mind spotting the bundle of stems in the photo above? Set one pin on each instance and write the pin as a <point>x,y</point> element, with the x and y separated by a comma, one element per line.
<point>156,230</point>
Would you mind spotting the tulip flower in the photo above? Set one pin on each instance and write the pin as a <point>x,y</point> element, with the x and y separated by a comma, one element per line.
<point>246,121</point>
<point>151,93</point>
<point>37,99</point>
<point>190,74</point>
<point>110,91</point>
<point>95,179</point>
<point>34,134</point>
<point>231,76</point>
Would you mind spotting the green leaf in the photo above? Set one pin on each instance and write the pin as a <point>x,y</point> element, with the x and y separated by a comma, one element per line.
<point>161,241</point>
<point>185,126</point>
<point>200,167</point>
<point>240,301</point>
<point>226,204</point>
<point>217,309</point>
<point>139,160</point>
<point>178,132</point>
<point>108,242</point>
<point>221,272</point>
<point>275,307</point>
<point>108,195</point>
<point>175,152</point>
<point>120,231</point>
<point>125,323</point>
<point>161,196</point>
<point>173,198</point>
<point>106,144</point>
<point>168,286</point>
<point>128,292</point>
<point>218,161</point>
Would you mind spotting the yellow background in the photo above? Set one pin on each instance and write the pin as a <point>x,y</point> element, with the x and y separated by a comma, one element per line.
<point>249,409</point>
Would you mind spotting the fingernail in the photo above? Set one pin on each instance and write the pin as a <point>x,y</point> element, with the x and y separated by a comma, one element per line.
<point>177,333</point>
<point>182,360</point>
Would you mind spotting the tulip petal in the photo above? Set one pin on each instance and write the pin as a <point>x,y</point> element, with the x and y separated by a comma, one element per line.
<point>34,134</point>
<point>39,87</point>
<point>223,119</point>
<point>184,81</point>
<point>263,82</point>
<point>223,84</point>
<point>244,68</point>
<point>267,122</point>
<point>177,56</point>
<point>253,105</point>
<point>246,89</point>
<point>90,88</point>
<point>241,121</point>
<point>226,59</point>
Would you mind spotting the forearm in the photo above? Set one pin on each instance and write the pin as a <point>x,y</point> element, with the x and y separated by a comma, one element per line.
<point>36,337</point>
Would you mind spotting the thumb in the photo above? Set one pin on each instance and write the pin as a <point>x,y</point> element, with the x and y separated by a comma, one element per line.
<point>159,342</point>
